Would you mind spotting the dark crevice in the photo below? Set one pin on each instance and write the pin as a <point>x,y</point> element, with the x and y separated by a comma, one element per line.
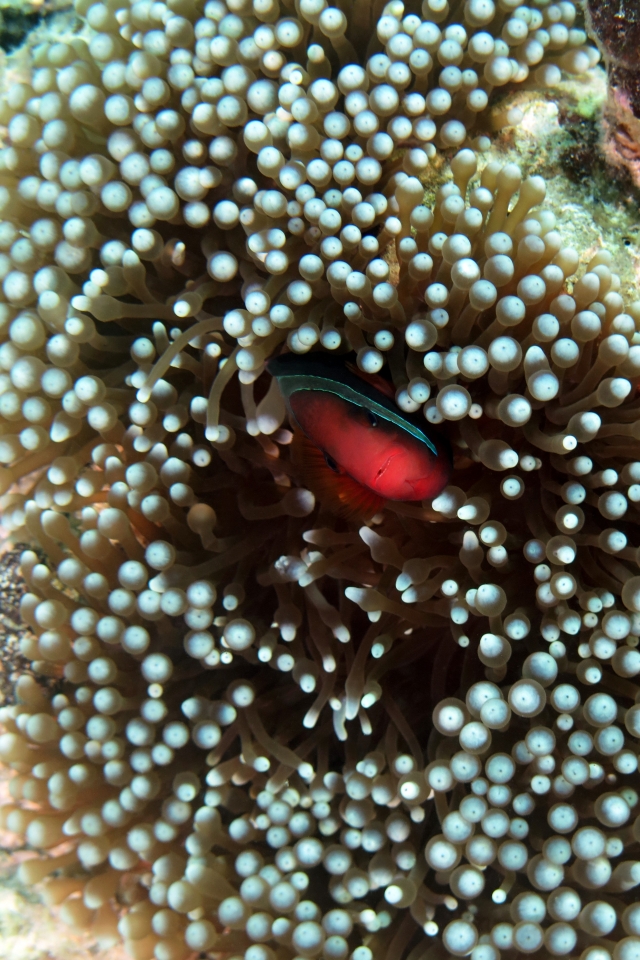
<point>17,24</point>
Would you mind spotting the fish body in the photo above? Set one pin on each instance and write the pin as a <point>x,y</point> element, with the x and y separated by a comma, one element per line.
<point>362,435</point>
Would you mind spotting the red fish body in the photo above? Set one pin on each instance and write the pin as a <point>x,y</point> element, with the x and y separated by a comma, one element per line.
<point>367,445</point>
<point>394,466</point>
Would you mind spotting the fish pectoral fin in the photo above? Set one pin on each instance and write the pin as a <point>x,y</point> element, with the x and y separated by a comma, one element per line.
<point>338,491</point>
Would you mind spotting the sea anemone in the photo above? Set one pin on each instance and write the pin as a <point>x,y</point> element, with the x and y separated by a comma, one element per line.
<point>271,732</point>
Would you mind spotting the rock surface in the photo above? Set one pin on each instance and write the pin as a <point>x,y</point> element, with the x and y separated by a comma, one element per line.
<point>615,24</point>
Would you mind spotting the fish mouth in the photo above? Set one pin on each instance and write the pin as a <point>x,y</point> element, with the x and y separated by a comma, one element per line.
<point>410,483</point>
<point>383,469</point>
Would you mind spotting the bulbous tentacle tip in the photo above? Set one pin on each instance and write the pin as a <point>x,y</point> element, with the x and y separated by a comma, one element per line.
<point>287,700</point>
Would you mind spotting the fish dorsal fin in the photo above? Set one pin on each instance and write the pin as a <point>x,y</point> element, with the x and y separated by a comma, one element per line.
<point>374,380</point>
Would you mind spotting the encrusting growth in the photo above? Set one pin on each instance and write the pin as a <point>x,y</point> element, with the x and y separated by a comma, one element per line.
<point>277,734</point>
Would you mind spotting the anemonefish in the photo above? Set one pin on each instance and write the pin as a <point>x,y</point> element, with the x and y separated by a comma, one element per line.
<point>353,443</point>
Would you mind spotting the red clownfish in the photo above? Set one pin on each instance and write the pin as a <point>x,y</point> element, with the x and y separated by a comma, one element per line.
<point>355,446</point>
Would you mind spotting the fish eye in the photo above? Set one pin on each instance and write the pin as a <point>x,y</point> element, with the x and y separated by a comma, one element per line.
<point>371,417</point>
<point>331,463</point>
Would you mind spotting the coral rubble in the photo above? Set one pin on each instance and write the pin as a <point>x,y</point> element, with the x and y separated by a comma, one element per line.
<point>274,733</point>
